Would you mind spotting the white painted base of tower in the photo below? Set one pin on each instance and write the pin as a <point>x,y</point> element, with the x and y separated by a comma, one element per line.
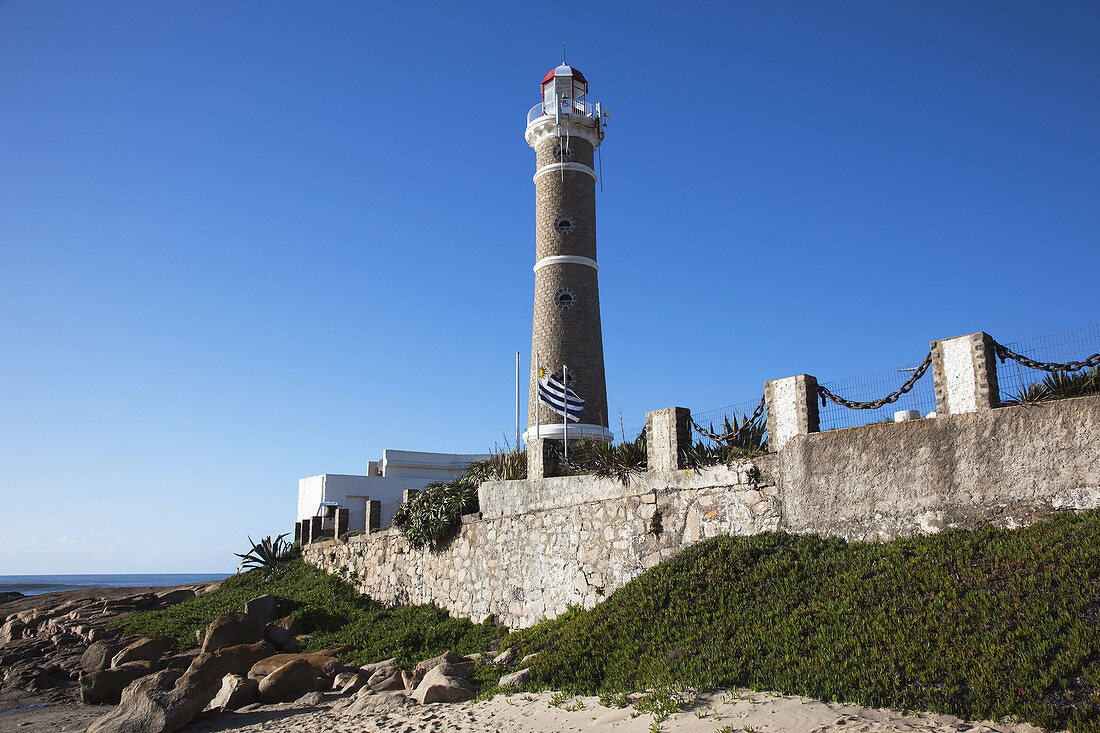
<point>579,431</point>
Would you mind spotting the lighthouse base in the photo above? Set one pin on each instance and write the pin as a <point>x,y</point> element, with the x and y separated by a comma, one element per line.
<point>577,431</point>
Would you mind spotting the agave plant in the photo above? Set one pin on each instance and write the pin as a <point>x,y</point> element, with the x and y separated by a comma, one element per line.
<point>1057,386</point>
<point>266,553</point>
<point>619,460</point>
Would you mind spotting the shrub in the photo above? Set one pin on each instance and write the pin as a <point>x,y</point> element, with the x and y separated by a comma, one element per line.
<point>978,624</point>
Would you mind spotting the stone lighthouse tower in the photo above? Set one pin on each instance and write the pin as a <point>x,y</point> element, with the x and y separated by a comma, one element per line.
<point>565,129</point>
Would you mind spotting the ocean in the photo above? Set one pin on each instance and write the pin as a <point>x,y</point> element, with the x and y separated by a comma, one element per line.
<point>32,585</point>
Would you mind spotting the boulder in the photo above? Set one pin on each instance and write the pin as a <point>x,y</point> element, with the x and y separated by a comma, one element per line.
<point>369,669</point>
<point>172,597</point>
<point>229,629</point>
<point>168,700</point>
<point>381,674</point>
<point>12,629</point>
<point>527,659</point>
<point>261,610</point>
<point>460,666</point>
<point>106,685</point>
<point>277,635</point>
<point>324,662</point>
<point>236,692</point>
<point>351,683</point>
<point>290,624</point>
<point>147,647</point>
<point>394,682</point>
<point>142,707</point>
<point>383,702</point>
<point>98,655</point>
<point>311,699</point>
<point>518,678</point>
<point>182,660</point>
<point>288,682</point>
<point>411,679</point>
<point>438,686</point>
<point>507,657</point>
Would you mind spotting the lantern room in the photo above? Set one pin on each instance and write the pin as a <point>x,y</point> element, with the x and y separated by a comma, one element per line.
<point>562,83</point>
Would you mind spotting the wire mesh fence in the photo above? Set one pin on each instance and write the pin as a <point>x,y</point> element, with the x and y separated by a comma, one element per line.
<point>872,386</point>
<point>1013,379</point>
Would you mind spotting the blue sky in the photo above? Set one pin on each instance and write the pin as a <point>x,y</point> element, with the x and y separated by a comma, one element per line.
<point>242,243</point>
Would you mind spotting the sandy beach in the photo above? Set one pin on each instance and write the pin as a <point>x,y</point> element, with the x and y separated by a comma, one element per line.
<point>716,711</point>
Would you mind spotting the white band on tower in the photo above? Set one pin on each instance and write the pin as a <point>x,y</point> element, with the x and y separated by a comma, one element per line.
<point>566,260</point>
<point>564,166</point>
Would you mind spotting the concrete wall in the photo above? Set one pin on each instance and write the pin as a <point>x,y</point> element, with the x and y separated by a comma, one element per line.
<point>540,545</point>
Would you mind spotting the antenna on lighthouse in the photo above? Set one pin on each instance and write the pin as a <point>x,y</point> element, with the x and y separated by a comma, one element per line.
<point>563,53</point>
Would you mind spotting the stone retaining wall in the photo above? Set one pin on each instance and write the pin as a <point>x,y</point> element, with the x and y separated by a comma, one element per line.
<point>541,545</point>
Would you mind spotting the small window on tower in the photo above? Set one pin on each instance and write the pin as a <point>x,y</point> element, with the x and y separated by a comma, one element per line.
<point>565,298</point>
<point>563,152</point>
<point>564,224</point>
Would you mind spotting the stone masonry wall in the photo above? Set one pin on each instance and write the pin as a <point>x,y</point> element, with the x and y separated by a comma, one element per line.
<point>538,546</point>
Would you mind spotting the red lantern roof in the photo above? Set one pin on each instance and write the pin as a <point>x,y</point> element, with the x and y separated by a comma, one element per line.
<point>576,73</point>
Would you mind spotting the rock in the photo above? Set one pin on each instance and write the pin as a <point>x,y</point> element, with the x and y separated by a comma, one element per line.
<point>353,682</point>
<point>290,624</point>
<point>9,595</point>
<point>527,660</point>
<point>236,692</point>
<point>438,686</point>
<point>261,610</point>
<point>98,655</point>
<point>106,685</point>
<point>461,667</point>
<point>369,669</point>
<point>311,699</point>
<point>516,679</point>
<point>277,635</point>
<point>288,682</point>
<point>475,657</point>
<point>383,702</point>
<point>100,633</point>
<point>229,629</point>
<point>172,597</point>
<point>147,647</point>
<point>387,684</point>
<point>140,708</point>
<point>167,700</point>
<point>11,630</point>
<point>507,657</point>
<point>381,674</point>
<point>182,660</point>
<point>324,662</point>
<point>411,679</point>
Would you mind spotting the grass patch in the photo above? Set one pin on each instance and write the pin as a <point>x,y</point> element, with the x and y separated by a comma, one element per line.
<point>979,624</point>
<point>332,611</point>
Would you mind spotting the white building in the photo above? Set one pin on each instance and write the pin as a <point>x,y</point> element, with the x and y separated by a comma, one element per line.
<point>385,480</point>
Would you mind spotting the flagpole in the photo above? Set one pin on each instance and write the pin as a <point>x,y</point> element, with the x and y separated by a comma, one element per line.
<point>517,400</point>
<point>565,412</point>
<point>538,421</point>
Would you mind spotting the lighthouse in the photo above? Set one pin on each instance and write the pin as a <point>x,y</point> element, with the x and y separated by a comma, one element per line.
<point>568,394</point>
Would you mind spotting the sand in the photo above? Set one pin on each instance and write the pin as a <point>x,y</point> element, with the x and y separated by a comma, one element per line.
<point>717,711</point>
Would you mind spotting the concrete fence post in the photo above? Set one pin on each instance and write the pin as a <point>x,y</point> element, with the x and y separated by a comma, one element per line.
<point>316,528</point>
<point>408,494</point>
<point>666,431</point>
<point>791,405</point>
<point>541,459</point>
<point>374,515</point>
<point>343,517</point>
<point>964,374</point>
<point>297,533</point>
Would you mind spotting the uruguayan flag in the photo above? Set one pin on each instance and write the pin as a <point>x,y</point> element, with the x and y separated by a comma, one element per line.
<point>558,397</point>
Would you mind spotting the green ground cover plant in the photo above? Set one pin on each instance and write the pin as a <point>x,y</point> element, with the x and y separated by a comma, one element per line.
<point>980,624</point>
<point>332,611</point>
<point>1058,386</point>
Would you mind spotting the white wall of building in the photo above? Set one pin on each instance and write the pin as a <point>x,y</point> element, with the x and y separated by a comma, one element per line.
<point>399,469</point>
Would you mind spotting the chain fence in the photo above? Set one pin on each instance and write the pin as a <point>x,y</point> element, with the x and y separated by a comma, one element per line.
<point>857,401</point>
<point>1015,379</point>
